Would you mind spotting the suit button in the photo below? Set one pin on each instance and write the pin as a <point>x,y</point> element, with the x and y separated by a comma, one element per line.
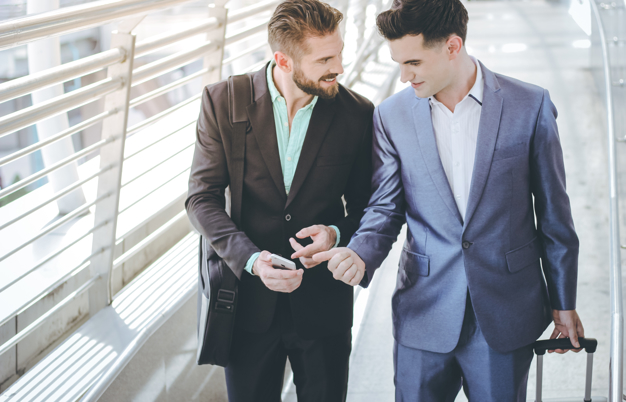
<point>466,245</point>
<point>287,217</point>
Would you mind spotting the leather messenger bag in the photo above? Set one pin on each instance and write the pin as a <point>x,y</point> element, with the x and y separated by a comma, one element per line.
<point>217,284</point>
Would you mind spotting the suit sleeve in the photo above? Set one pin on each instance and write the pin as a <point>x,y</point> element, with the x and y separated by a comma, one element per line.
<point>552,208</point>
<point>384,216</point>
<point>357,192</point>
<point>206,201</point>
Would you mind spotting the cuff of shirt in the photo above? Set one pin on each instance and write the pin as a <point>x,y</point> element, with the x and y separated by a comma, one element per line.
<point>251,262</point>
<point>338,235</point>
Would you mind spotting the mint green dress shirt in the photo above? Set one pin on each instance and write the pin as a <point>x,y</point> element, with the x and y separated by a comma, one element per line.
<point>289,144</point>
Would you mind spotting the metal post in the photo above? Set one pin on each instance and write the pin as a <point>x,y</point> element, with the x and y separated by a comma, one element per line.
<point>588,377</point>
<point>617,316</point>
<point>113,127</point>
<point>213,60</point>
<point>42,55</point>
<point>360,17</point>
<point>539,378</point>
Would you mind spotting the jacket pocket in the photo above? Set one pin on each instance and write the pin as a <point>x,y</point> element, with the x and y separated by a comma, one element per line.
<point>509,152</point>
<point>414,264</point>
<point>524,256</point>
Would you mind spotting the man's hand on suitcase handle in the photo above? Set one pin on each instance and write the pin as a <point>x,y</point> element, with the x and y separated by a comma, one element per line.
<point>345,264</point>
<point>324,238</point>
<point>567,324</point>
<point>278,280</point>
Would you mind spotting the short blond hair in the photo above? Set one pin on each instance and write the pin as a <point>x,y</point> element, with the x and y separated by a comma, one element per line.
<point>295,20</point>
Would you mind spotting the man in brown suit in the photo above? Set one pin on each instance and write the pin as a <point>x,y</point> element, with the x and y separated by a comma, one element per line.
<point>308,146</point>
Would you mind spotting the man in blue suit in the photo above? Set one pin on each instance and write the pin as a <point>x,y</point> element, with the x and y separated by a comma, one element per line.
<point>471,161</point>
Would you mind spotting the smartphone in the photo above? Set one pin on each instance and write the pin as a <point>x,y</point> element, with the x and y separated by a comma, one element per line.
<point>282,263</point>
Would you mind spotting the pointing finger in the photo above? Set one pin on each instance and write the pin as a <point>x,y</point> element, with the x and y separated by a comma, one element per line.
<point>325,255</point>
<point>307,232</point>
<point>307,251</point>
<point>296,246</point>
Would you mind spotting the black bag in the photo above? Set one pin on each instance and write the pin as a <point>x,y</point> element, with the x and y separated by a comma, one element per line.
<point>217,284</point>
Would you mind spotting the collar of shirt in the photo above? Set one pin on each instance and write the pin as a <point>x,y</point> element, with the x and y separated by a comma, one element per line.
<point>276,96</point>
<point>477,89</point>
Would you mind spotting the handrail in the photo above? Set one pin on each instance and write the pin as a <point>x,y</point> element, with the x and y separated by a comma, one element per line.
<point>245,53</point>
<point>38,322</point>
<point>77,212</point>
<point>55,197</point>
<point>92,121</point>
<point>243,13</point>
<point>168,38</point>
<point>140,150</point>
<point>36,176</point>
<point>29,303</point>
<point>140,126</point>
<point>617,317</point>
<point>71,100</point>
<point>245,33</point>
<point>133,251</point>
<point>169,63</point>
<point>161,162</point>
<point>161,185</point>
<point>30,83</point>
<point>19,31</point>
<point>166,88</point>
<point>51,256</point>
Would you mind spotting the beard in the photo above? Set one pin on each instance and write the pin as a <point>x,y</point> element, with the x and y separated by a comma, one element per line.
<point>313,87</point>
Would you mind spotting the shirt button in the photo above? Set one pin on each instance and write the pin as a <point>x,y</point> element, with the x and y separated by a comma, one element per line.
<point>466,245</point>
<point>287,217</point>
<point>289,158</point>
<point>286,124</point>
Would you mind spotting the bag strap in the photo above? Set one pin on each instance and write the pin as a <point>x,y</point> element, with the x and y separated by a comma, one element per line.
<point>240,92</point>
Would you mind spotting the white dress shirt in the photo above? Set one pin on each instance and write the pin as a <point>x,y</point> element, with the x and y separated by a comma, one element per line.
<point>456,134</point>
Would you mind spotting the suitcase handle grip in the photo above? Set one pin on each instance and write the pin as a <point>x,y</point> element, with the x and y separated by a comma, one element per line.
<point>589,344</point>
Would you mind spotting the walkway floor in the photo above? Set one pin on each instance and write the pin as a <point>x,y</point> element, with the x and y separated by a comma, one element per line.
<point>536,42</point>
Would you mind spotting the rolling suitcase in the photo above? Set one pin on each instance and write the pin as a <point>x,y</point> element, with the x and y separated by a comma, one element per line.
<point>540,347</point>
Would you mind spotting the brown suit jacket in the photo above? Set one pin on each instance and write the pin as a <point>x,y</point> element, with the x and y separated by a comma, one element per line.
<point>335,162</point>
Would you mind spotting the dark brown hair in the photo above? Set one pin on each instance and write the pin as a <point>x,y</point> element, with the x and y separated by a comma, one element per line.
<point>295,20</point>
<point>436,20</point>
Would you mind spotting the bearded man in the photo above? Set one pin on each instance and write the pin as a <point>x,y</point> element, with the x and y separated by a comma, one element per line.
<point>308,145</point>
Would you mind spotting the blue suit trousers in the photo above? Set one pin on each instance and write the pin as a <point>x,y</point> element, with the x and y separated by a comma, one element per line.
<point>485,374</point>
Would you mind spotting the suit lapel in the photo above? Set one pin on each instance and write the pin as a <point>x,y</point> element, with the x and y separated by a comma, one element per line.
<point>428,147</point>
<point>321,118</point>
<point>488,128</point>
<point>261,116</point>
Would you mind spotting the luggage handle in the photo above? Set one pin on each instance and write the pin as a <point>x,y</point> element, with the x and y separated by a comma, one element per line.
<point>589,344</point>
<point>540,347</point>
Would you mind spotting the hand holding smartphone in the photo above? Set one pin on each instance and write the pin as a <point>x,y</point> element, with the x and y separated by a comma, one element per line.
<point>282,263</point>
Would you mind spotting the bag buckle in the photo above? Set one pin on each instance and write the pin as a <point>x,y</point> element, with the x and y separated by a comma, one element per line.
<point>225,300</point>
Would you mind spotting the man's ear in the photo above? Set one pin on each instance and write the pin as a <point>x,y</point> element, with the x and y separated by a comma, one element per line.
<point>284,62</point>
<point>454,44</point>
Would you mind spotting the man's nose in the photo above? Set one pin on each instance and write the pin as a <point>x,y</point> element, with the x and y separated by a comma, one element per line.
<point>337,67</point>
<point>405,74</point>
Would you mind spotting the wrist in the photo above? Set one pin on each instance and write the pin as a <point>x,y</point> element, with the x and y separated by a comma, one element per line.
<point>332,237</point>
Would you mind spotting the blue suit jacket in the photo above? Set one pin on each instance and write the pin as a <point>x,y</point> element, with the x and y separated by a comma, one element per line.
<point>498,252</point>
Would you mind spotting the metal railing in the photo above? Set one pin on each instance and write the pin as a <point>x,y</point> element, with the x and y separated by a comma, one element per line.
<point>115,91</point>
<point>606,83</point>
<point>121,75</point>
